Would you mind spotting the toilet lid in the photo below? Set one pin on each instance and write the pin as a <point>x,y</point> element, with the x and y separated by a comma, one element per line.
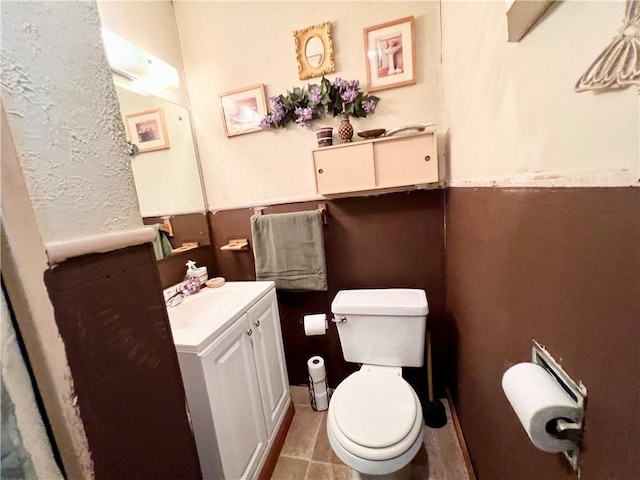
<point>375,410</point>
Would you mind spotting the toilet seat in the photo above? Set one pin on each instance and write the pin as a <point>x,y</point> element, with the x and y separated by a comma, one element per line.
<point>374,415</point>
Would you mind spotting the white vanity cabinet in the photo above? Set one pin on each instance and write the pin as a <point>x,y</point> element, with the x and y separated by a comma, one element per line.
<point>237,391</point>
<point>268,353</point>
<point>382,163</point>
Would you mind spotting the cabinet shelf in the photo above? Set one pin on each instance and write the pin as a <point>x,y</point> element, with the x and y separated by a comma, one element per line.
<point>377,164</point>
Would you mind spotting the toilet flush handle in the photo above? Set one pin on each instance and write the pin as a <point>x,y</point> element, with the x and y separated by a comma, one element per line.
<point>342,319</point>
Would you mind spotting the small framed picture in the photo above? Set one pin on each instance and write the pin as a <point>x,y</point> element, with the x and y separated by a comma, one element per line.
<point>243,109</point>
<point>148,130</point>
<point>390,52</point>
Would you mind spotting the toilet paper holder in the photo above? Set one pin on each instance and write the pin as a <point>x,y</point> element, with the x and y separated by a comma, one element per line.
<point>563,428</point>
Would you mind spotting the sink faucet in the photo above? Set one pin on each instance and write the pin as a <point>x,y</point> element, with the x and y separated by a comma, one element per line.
<point>175,299</point>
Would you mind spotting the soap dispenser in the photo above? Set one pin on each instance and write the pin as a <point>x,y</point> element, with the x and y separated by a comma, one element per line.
<point>193,282</point>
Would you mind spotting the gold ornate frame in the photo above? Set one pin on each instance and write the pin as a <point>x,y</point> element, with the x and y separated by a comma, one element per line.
<point>301,37</point>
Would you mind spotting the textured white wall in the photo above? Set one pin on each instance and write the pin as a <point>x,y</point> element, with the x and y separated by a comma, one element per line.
<point>229,45</point>
<point>63,113</point>
<point>511,110</point>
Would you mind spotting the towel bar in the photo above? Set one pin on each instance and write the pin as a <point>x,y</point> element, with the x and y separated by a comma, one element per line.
<point>321,206</point>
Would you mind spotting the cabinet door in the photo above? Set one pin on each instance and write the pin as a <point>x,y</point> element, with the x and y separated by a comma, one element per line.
<point>232,388</point>
<point>269,357</point>
<point>344,169</point>
<point>406,161</point>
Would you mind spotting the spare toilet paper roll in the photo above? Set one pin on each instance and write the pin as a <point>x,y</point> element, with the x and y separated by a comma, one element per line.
<point>537,398</point>
<point>315,324</point>
<point>322,401</point>
<point>320,388</point>
<point>316,368</point>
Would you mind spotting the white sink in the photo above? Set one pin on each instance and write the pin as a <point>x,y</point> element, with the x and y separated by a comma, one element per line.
<point>202,317</point>
<point>203,307</point>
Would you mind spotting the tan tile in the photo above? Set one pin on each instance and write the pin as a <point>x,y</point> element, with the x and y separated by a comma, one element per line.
<point>322,451</point>
<point>288,468</point>
<point>445,459</point>
<point>342,472</point>
<point>451,457</point>
<point>328,471</point>
<point>302,433</point>
<point>319,471</point>
<point>300,395</point>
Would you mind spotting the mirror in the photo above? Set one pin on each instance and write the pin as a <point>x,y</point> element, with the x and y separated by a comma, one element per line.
<point>165,169</point>
<point>314,51</point>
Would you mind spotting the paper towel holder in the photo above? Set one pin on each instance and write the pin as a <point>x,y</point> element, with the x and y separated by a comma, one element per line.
<point>576,390</point>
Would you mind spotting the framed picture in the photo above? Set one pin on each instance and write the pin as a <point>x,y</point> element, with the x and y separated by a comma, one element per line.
<point>243,109</point>
<point>148,130</point>
<point>390,51</point>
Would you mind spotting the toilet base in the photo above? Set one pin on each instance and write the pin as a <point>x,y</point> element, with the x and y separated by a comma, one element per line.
<point>403,474</point>
<point>387,468</point>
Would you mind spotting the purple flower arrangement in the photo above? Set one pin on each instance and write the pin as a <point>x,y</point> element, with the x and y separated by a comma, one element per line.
<point>303,105</point>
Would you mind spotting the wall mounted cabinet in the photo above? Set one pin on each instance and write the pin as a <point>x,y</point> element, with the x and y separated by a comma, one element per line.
<point>383,163</point>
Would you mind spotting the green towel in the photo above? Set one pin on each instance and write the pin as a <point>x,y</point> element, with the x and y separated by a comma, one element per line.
<point>161,245</point>
<point>289,249</point>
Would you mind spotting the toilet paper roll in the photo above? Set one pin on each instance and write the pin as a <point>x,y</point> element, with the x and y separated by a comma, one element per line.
<point>322,401</point>
<point>320,388</point>
<point>316,368</point>
<point>537,398</point>
<point>315,324</point>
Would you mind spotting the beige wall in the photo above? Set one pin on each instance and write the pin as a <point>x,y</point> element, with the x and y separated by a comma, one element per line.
<point>229,45</point>
<point>511,110</point>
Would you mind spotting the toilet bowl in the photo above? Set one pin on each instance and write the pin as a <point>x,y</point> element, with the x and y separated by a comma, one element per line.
<point>375,423</point>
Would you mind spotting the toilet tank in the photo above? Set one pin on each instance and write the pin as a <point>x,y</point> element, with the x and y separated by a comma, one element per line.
<point>382,326</point>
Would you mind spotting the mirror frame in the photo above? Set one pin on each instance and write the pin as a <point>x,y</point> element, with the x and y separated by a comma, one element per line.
<point>301,37</point>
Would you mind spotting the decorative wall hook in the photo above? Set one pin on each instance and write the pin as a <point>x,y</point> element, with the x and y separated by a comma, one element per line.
<point>618,66</point>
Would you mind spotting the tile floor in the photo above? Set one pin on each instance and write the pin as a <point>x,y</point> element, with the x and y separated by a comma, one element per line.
<point>306,453</point>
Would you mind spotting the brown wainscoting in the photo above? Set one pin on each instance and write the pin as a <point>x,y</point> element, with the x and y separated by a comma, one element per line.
<point>561,266</point>
<point>393,240</point>
<point>191,227</point>
<point>112,320</point>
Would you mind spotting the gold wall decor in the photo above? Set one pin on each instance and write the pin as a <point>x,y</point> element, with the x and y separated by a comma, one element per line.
<point>314,51</point>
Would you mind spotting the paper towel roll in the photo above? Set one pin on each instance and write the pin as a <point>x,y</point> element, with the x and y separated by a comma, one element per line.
<point>315,324</point>
<point>537,398</point>
<point>316,368</point>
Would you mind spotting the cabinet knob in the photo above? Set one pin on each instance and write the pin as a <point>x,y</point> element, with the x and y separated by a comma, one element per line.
<point>427,158</point>
<point>257,323</point>
<point>249,332</point>
<point>320,171</point>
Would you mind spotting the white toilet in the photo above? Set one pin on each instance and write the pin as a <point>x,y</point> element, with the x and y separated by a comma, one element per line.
<point>375,423</point>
